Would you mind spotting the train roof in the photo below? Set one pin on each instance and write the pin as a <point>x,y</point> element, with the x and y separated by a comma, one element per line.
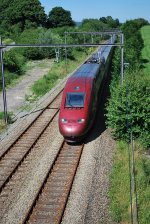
<point>88,71</point>
<point>82,77</point>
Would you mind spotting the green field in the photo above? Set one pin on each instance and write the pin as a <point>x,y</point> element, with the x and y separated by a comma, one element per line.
<point>145,31</point>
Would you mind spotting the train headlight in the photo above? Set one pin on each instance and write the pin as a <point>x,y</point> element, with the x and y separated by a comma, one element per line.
<point>80,120</point>
<point>63,120</point>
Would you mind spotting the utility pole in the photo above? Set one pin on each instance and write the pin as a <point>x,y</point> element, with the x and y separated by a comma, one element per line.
<point>57,54</point>
<point>3,84</point>
<point>133,184</point>
<point>122,57</point>
<point>66,51</point>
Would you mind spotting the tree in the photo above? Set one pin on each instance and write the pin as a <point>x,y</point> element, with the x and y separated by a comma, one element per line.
<point>134,42</point>
<point>21,15</point>
<point>103,19</point>
<point>92,25</point>
<point>112,23</point>
<point>4,5</point>
<point>59,17</point>
<point>141,22</point>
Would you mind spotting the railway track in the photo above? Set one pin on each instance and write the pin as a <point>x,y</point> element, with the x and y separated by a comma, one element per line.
<point>15,154</point>
<point>51,198</point>
<point>50,202</point>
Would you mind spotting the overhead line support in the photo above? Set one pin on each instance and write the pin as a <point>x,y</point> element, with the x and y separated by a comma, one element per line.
<point>3,84</point>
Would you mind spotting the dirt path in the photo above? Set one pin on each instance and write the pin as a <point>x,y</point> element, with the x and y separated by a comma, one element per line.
<point>16,95</point>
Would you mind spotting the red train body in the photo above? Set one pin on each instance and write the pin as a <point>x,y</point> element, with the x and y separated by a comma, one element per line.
<point>79,100</point>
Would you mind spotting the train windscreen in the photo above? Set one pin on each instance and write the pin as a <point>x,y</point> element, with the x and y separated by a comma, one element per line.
<point>75,100</point>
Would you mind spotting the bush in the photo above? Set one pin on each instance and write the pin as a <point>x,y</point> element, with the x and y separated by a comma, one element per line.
<point>14,61</point>
<point>129,106</point>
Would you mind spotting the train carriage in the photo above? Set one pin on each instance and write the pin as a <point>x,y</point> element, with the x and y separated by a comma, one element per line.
<point>79,100</point>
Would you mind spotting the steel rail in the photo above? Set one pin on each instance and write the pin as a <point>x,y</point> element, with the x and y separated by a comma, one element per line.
<point>24,143</point>
<point>20,150</point>
<point>50,202</point>
<point>28,126</point>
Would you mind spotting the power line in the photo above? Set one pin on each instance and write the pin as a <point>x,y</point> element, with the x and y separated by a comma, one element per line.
<point>3,46</point>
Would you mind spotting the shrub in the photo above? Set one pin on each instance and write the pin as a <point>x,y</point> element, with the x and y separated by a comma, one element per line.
<point>129,106</point>
<point>14,61</point>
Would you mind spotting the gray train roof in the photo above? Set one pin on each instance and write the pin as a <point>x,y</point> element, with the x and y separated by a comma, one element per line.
<point>87,70</point>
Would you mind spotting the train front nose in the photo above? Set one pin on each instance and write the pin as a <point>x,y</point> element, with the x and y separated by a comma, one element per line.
<point>73,129</point>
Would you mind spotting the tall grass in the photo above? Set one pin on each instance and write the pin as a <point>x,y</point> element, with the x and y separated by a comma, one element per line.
<point>2,122</point>
<point>119,192</point>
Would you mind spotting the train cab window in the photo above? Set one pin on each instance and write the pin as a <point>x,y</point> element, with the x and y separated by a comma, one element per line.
<point>75,100</point>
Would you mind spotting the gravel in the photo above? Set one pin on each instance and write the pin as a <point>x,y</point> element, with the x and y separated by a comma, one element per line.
<point>88,202</point>
<point>21,194</point>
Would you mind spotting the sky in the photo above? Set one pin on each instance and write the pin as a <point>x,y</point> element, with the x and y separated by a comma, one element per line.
<point>118,9</point>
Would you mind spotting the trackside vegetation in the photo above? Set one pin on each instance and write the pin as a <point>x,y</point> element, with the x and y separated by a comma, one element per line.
<point>129,105</point>
<point>119,193</point>
<point>58,72</point>
<point>128,110</point>
<point>2,122</point>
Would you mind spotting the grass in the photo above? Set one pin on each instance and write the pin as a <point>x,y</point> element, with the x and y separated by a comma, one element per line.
<point>119,185</point>
<point>2,122</point>
<point>37,63</point>
<point>2,125</point>
<point>7,41</point>
<point>57,72</point>
<point>145,31</point>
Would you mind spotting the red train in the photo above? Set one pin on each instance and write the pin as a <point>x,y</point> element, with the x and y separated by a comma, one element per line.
<point>79,100</point>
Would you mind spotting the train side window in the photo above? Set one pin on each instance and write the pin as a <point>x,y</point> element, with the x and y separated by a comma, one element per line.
<point>75,100</point>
